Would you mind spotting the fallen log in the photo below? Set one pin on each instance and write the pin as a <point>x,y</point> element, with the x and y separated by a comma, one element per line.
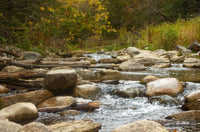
<point>85,107</point>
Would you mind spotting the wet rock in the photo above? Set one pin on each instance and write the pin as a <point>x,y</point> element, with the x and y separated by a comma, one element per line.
<point>35,97</point>
<point>191,62</point>
<point>70,113</point>
<point>165,100</point>
<point>195,46</point>
<point>133,51</point>
<point>192,115</point>
<point>3,89</point>
<point>180,48</point>
<point>31,55</point>
<point>87,91</point>
<point>58,101</point>
<point>148,59</point>
<point>130,91</point>
<point>130,66</point>
<point>34,127</point>
<point>107,74</point>
<point>141,126</point>
<point>92,61</point>
<point>192,101</point>
<point>194,55</point>
<point>160,53</point>
<point>148,79</point>
<point>76,126</point>
<point>12,69</point>
<point>123,58</point>
<point>107,60</point>
<point>60,82</point>
<point>177,59</point>
<point>8,126</point>
<point>86,73</point>
<point>165,86</point>
<point>20,112</point>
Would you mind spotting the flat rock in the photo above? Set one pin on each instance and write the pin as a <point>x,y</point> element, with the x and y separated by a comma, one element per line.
<point>58,101</point>
<point>76,126</point>
<point>35,97</point>
<point>131,66</point>
<point>192,115</point>
<point>31,55</point>
<point>191,62</point>
<point>141,126</point>
<point>34,127</point>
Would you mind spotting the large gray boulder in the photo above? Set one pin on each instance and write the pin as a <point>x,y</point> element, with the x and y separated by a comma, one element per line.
<point>141,126</point>
<point>192,101</point>
<point>87,91</point>
<point>20,112</point>
<point>35,97</point>
<point>60,82</point>
<point>76,126</point>
<point>132,51</point>
<point>8,126</point>
<point>164,86</point>
<point>131,66</point>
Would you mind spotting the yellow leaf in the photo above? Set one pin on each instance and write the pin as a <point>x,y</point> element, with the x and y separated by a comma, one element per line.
<point>42,8</point>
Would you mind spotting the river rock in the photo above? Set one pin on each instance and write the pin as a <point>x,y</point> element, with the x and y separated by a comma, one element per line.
<point>165,86</point>
<point>123,58</point>
<point>192,115</point>
<point>19,112</point>
<point>180,48</point>
<point>132,51</point>
<point>12,69</point>
<point>3,89</point>
<point>195,46</point>
<point>165,100</point>
<point>92,61</point>
<point>34,127</point>
<point>60,82</point>
<point>86,73</point>
<point>87,91</point>
<point>31,55</point>
<point>191,62</point>
<point>148,79</point>
<point>148,59</point>
<point>8,126</point>
<point>108,74</point>
<point>192,101</point>
<point>107,60</point>
<point>137,90</point>
<point>131,66</point>
<point>58,101</point>
<point>76,126</point>
<point>35,97</point>
<point>141,126</point>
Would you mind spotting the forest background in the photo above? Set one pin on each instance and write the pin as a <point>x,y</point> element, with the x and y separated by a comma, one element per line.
<point>69,25</point>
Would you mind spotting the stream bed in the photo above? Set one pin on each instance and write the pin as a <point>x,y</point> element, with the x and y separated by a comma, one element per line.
<point>116,111</point>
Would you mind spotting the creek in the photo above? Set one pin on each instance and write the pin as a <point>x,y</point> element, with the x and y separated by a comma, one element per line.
<point>116,111</point>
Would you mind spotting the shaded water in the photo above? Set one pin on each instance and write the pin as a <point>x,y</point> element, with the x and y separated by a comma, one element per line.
<point>116,111</point>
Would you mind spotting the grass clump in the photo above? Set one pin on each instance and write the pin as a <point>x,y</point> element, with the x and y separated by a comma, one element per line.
<point>167,35</point>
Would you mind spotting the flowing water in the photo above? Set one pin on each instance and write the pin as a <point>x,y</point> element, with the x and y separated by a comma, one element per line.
<point>116,111</point>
